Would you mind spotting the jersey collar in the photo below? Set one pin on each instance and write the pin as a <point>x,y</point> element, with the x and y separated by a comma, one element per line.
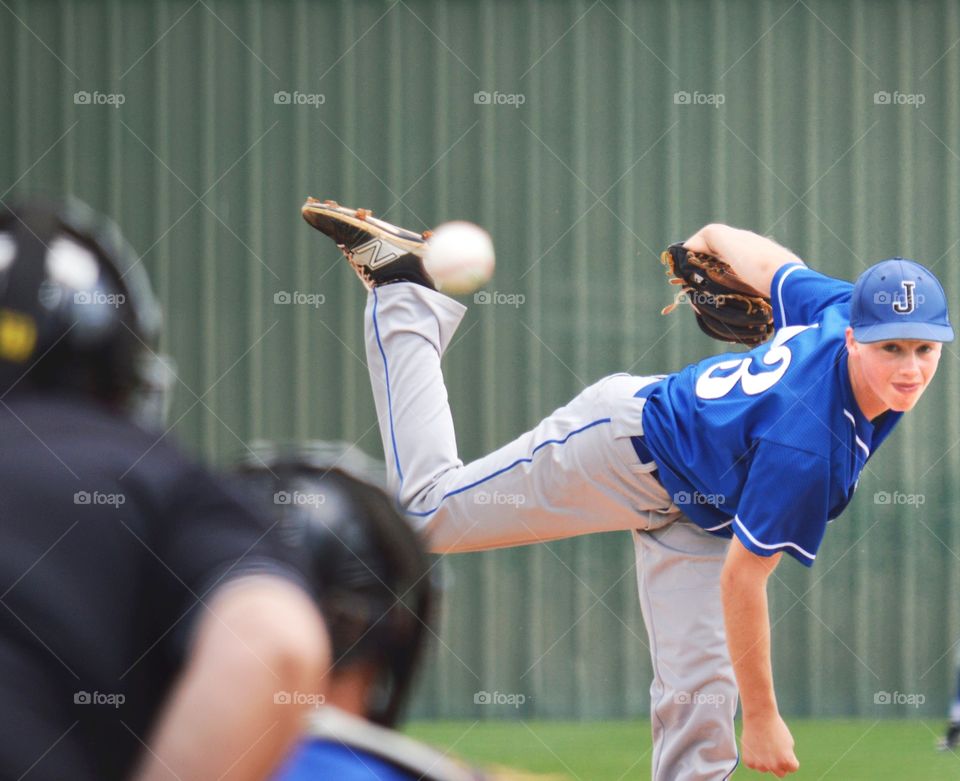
<point>862,428</point>
<point>868,433</point>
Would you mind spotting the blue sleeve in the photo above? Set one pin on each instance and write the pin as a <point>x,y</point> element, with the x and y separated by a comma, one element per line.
<point>319,759</point>
<point>799,294</point>
<point>784,504</point>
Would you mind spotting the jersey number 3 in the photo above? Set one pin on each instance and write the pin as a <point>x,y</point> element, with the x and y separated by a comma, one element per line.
<point>721,378</point>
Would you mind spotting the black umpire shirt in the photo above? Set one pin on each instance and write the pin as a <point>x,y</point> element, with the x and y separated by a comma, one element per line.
<point>111,543</point>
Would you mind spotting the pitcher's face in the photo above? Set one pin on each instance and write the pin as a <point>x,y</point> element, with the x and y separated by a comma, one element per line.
<point>896,372</point>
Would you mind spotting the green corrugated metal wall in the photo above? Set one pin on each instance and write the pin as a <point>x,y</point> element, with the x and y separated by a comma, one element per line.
<point>581,184</point>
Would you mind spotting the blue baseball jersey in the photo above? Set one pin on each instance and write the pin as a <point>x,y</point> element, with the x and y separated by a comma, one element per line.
<point>318,759</point>
<point>769,444</point>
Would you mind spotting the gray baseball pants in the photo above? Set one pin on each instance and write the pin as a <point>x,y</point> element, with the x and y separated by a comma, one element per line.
<point>575,473</point>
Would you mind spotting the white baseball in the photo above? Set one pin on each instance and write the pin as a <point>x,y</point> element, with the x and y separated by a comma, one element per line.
<point>459,257</point>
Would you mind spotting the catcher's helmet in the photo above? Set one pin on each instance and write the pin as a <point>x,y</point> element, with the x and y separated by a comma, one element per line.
<point>76,308</point>
<point>366,566</point>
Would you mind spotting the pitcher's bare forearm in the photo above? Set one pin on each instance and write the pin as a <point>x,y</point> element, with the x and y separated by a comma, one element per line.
<point>766,742</point>
<point>754,258</point>
<point>744,591</point>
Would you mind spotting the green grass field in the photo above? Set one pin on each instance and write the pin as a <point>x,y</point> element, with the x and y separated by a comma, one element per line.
<point>610,751</point>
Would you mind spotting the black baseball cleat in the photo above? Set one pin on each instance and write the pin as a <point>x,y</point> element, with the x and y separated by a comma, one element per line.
<point>950,741</point>
<point>379,252</point>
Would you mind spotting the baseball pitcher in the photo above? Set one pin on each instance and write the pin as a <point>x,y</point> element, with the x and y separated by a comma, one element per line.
<point>718,470</point>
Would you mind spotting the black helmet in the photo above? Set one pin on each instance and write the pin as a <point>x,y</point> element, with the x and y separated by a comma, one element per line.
<point>76,308</point>
<point>366,566</point>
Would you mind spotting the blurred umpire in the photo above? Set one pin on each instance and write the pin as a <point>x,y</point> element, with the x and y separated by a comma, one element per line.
<point>127,573</point>
<point>370,574</point>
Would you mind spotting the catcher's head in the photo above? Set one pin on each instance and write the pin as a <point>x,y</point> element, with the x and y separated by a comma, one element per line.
<point>76,308</point>
<point>367,568</point>
<point>898,322</point>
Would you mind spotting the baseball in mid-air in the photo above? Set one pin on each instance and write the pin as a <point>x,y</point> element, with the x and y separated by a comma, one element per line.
<point>459,257</point>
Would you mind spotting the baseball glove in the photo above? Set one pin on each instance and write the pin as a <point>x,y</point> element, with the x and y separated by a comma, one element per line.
<point>727,308</point>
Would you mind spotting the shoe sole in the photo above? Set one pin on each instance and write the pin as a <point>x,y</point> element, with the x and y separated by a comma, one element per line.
<point>325,214</point>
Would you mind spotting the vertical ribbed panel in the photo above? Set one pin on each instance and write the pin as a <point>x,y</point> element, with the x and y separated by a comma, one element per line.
<point>598,169</point>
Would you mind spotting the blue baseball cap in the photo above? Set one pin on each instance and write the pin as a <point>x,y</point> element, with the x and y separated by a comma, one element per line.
<point>899,299</point>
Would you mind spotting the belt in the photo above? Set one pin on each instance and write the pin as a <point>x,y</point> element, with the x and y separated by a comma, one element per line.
<point>639,445</point>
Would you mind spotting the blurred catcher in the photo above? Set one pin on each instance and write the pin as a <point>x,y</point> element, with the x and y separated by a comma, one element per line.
<point>370,576</point>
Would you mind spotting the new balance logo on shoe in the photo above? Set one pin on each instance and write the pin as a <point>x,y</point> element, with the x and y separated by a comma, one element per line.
<point>376,253</point>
